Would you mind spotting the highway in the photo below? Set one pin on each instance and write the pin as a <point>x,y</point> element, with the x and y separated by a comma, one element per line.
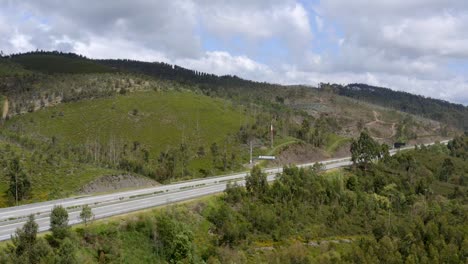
<point>128,201</point>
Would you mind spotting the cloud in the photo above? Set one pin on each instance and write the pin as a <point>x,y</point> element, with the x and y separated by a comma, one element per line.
<point>319,23</point>
<point>258,21</point>
<point>228,18</point>
<point>412,29</point>
<point>457,91</point>
<point>165,26</point>
<point>112,48</point>
<point>405,45</point>
<point>222,63</point>
<point>420,46</point>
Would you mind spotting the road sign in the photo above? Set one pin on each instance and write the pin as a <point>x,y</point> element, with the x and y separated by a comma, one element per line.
<point>266,157</point>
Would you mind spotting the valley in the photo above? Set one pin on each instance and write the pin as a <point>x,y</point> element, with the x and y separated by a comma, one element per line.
<point>119,137</point>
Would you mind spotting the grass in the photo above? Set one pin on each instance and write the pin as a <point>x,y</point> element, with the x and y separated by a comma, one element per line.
<point>128,232</point>
<point>157,120</point>
<point>137,248</point>
<point>129,235</point>
<point>334,142</point>
<point>48,63</point>
<point>281,144</point>
<point>445,188</point>
<point>8,68</point>
<point>54,179</point>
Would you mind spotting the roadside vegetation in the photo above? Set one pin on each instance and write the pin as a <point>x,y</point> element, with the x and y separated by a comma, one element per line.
<point>387,211</point>
<point>48,175</point>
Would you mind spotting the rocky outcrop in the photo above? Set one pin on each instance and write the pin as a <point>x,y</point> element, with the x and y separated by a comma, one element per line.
<point>116,182</point>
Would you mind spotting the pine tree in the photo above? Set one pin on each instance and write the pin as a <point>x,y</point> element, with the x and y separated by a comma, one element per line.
<point>20,186</point>
<point>447,170</point>
<point>86,214</point>
<point>256,182</point>
<point>59,222</point>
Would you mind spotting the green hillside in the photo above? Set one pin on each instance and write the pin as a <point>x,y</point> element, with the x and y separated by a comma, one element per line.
<point>8,68</point>
<point>155,119</point>
<point>443,111</point>
<point>58,63</point>
<point>140,128</point>
<point>169,123</point>
<point>52,176</point>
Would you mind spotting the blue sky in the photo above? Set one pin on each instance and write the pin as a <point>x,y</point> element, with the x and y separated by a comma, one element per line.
<point>419,46</point>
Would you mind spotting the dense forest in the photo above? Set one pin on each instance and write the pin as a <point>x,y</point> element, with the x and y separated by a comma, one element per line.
<point>406,208</point>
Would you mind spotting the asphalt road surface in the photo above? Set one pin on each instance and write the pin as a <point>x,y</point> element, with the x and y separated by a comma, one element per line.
<point>128,201</point>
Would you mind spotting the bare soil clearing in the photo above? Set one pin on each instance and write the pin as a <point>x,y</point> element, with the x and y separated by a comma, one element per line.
<point>116,182</point>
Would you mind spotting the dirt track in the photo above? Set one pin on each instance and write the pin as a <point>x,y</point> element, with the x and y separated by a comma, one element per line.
<point>377,120</point>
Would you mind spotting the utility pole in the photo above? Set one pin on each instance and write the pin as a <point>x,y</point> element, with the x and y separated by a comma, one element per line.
<point>251,152</point>
<point>271,132</point>
<point>16,188</point>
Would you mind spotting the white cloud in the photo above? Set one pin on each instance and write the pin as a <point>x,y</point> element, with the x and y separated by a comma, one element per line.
<point>444,35</point>
<point>430,88</point>
<point>400,44</point>
<point>163,26</point>
<point>116,48</point>
<point>286,20</point>
<point>319,23</point>
<point>222,63</point>
<point>413,29</point>
<point>21,42</point>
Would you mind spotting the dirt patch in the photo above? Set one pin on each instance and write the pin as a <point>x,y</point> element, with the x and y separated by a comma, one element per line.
<point>343,151</point>
<point>426,140</point>
<point>380,129</point>
<point>299,153</point>
<point>116,182</point>
<point>5,109</point>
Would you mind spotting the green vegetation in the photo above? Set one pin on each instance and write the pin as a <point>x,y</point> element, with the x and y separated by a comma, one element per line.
<point>72,119</point>
<point>459,147</point>
<point>58,63</point>
<point>2,102</point>
<point>136,131</point>
<point>77,119</point>
<point>59,223</point>
<point>20,185</point>
<point>392,212</point>
<point>86,214</point>
<point>365,150</point>
<point>334,142</point>
<point>8,68</point>
<point>51,176</point>
<point>439,110</point>
<point>157,120</point>
<point>27,248</point>
<point>282,143</point>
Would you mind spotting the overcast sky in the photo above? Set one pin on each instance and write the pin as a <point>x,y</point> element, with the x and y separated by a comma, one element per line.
<point>419,46</point>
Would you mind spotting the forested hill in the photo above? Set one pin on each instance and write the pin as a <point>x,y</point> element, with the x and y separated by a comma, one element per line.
<point>59,62</point>
<point>56,62</point>
<point>176,73</point>
<point>233,86</point>
<point>453,114</point>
